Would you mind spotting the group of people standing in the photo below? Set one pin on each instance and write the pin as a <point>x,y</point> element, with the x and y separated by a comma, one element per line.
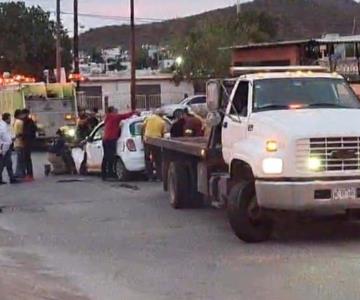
<point>20,139</point>
<point>186,124</point>
<point>21,136</point>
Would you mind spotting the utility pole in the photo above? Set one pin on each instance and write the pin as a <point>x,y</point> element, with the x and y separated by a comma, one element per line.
<point>133,56</point>
<point>76,45</point>
<point>238,7</point>
<point>58,42</point>
<point>354,26</point>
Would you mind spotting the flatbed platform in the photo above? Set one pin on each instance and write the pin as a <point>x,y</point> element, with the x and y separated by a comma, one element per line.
<point>188,145</point>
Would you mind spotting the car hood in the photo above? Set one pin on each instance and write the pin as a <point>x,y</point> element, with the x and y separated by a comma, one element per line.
<point>309,122</point>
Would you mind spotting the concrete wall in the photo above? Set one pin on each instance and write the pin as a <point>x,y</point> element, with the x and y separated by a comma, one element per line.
<point>276,53</point>
<point>118,92</point>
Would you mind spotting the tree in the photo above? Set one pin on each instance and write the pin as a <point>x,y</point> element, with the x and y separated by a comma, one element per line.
<point>96,56</point>
<point>142,59</point>
<point>204,50</point>
<point>115,65</point>
<point>27,40</point>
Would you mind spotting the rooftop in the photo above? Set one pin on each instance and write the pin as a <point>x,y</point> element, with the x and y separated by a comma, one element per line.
<point>126,76</point>
<point>327,39</point>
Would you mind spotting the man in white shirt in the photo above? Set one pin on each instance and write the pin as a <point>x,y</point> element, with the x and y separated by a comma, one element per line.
<point>5,148</point>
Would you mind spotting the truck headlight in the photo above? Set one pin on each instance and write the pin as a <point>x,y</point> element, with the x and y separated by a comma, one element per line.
<point>314,164</point>
<point>272,165</point>
<point>271,146</point>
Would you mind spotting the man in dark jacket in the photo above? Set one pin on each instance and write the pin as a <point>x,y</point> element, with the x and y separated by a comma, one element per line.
<point>192,125</point>
<point>177,128</point>
<point>29,136</point>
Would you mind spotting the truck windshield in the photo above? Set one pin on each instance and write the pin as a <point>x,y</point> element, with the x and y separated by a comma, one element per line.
<point>301,93</point>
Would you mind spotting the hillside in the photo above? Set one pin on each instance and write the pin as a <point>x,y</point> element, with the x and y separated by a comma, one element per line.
<point>295,19</point>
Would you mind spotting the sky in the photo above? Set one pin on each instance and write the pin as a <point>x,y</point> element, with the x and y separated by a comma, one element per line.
<point>157,9</point>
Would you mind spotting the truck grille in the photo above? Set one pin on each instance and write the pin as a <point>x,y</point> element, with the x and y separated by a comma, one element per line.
<point>335,153</point>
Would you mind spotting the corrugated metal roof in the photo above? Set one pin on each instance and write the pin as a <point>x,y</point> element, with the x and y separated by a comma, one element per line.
<point>270,44</point>
<point>339,39</point>
<point>334,39</point>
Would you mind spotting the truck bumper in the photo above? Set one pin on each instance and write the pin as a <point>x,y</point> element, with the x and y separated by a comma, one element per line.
<point>300,196</point>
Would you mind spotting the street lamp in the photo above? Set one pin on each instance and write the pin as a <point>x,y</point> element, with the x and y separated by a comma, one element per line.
<point>179,61</point>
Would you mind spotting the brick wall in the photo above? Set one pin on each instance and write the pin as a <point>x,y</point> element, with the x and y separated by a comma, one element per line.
<point>289,54</point>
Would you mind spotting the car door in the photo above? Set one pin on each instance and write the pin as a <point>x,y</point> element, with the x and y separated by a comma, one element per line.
<point>94,149</point>
<point>235,124</point>
<point>198,105</point>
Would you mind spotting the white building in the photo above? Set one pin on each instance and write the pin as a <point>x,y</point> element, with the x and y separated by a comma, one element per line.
<point>112,53</point>
<point>152,90</point>
<point>166,64</point>
<point>90,69</point>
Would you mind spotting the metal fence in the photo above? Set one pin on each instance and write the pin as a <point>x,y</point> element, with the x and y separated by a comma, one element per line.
<point>89,102</point>
<point>147,102</point>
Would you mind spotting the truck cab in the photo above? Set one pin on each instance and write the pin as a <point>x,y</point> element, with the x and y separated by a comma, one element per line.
<point>296,134</point>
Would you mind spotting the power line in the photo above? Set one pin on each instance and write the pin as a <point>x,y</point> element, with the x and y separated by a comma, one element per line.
<point>109,17</point>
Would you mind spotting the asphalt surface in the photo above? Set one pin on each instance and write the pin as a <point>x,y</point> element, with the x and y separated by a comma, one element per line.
<point>92,240</point>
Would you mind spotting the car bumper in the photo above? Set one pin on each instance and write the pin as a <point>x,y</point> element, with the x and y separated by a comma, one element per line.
<point>134,162</point>
<point>305,195</point>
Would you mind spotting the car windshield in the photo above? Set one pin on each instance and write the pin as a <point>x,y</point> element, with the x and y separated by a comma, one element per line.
<point>300,93</point>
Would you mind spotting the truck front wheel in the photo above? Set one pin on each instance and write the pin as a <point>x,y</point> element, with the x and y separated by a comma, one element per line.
<point>245,216</point>
<point>179,185</point>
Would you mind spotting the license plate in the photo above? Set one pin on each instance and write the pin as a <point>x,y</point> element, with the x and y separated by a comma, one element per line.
<point>344,194</point>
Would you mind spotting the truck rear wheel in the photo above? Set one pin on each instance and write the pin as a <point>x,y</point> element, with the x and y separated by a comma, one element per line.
<point>179,185</point>
<point>245,216</point>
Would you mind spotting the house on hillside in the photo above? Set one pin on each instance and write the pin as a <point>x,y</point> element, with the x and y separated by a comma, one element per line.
<point>153,90</point>
<point>338,53</point>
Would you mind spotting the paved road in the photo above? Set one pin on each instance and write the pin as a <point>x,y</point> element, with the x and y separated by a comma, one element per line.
<point>92,240</point>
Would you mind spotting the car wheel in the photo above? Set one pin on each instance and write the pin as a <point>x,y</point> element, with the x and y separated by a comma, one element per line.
<point>245,216</point>
<point>121,172</point>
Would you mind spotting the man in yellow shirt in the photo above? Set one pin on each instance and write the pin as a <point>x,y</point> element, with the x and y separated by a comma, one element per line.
<point>154,127</point>
<point>19,144</point>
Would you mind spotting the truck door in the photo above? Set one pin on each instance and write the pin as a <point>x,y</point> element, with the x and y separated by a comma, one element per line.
<point>235,123</point>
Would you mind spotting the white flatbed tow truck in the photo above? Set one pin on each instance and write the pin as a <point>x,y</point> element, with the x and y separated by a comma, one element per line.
<point>287,139</point>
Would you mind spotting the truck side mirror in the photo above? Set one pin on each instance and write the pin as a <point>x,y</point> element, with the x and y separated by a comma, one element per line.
<point>213,90</point>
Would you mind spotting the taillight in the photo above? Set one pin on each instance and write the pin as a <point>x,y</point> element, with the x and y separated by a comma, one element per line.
<point>69,117</point>
<point>130,144</point>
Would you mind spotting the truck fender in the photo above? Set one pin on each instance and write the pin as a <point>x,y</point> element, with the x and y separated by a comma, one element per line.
<point>239,169</point>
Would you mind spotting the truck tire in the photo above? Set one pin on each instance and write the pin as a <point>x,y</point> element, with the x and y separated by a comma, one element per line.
<point>179,185</point>
<point>122,174</point>
<point>244,217</point>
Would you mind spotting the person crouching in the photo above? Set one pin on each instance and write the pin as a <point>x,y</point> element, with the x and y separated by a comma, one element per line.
<point>60,156</point>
